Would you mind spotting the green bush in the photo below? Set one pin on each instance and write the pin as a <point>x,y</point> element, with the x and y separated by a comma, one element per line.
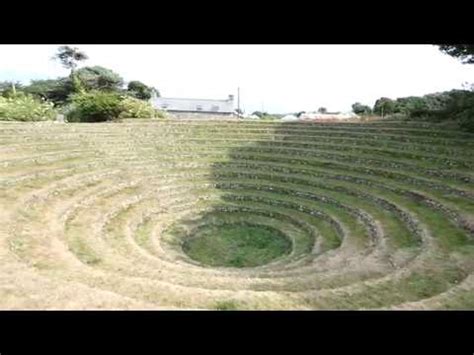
<point>23,107</point>
<point>160,114</point>
<point>135,108</point>
<point>94,106</point>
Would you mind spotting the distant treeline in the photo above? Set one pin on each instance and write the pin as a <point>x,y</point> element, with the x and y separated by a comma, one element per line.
<point>454,105</point>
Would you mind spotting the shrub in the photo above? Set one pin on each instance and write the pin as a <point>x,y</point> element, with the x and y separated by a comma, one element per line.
<point>135,108</point>
<point>160,114</point>
<point>94,106</point>
<point>23,107</point>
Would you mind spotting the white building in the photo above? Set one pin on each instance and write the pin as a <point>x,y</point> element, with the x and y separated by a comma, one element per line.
<point>289,118</point>
<point>329,116</point>
<point>195,108</point>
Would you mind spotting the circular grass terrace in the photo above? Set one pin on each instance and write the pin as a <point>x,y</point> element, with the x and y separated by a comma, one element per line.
<point>246,215</point>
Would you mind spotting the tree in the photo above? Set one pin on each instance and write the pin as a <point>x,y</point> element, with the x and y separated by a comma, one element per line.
<point>70,58</point>
<point>54,90</point>
<point>139,90</point>
<point>99,78</point>
<point>384,106</point>
<point>465,52</point>
<point>360,109</point>
<point>322,110</point>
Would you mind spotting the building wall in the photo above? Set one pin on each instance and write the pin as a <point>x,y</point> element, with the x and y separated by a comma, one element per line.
<point>205,105</point>
<point>201,115</point>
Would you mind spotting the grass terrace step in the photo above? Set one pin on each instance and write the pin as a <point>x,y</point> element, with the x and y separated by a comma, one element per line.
<point>250,215</point>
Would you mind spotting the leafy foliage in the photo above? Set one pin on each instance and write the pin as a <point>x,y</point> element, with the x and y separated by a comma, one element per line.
<point>322,110</point>
<point>54,90</point>
<point>135,108</point>
<point>70,57</point>
<point>460,108</point>
<point>99,78</point>
<point>384,106</point>
<point>454,105</point>
<point>95,106</point>
<point>465,52</point>
<point>360,109</point>
<point>9,88</point>
<point>139,90</point>
<point>25,108</point>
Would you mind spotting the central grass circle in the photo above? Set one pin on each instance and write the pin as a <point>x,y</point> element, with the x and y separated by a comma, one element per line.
<point>236,245</point>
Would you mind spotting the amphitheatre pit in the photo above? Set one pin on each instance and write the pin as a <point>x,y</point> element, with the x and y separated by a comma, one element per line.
<point>193,214</point>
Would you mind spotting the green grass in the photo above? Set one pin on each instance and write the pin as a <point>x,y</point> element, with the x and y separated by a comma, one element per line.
<point>343,216</point>
<point>236,245</point>
<point>83,252</point>
<point>226,306</point>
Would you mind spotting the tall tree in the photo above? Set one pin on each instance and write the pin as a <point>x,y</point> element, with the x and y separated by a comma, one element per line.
<point>384,106</point>
<point>465,52</point>
<point>322,110</point>
<point>70,58</point>
<point>99,78</point>
<point>139,90</point>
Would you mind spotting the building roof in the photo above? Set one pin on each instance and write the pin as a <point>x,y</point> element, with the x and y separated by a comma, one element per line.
<point>194,105</point>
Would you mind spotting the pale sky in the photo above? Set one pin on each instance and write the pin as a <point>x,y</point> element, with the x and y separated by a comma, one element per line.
<point>277,78</point>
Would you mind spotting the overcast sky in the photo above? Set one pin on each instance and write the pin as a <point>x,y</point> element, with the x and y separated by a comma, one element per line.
<point>277,78</point>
